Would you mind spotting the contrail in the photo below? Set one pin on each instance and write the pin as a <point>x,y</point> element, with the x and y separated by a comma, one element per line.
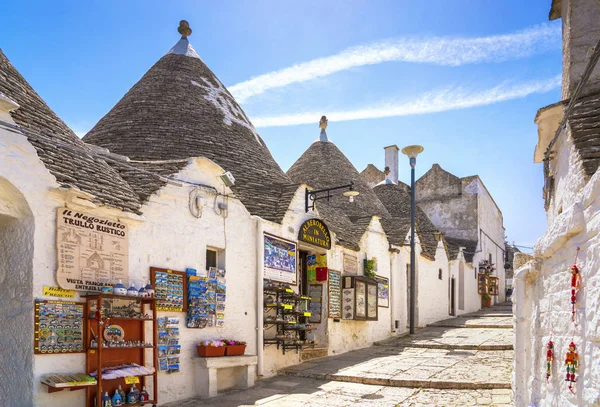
<point>451,98</point>
<point>451,51</point>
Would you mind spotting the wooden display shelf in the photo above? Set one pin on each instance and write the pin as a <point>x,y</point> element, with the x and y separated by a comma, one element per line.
<point>120,297</point>
<point>140,403</point>
<point>134,329</point>
<point>133,375</point>
<point>52,389</point>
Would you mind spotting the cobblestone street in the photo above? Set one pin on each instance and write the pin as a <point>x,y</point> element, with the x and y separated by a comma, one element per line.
<point>465,361</point>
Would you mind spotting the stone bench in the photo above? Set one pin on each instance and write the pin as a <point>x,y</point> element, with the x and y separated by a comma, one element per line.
<point>237,371</point>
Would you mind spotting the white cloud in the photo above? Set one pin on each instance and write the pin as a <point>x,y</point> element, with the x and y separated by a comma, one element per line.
<point>451,98</point>
<point>451,51</point>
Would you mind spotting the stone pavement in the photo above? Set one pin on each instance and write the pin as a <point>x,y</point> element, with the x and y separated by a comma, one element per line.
<point>456,362</point>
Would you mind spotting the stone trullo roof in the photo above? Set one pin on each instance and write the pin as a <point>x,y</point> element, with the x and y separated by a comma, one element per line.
<point>323,165</point>
<point>397,201</point>
<point>584,121</point>
<point>70,168</point>
<point>180,109</point>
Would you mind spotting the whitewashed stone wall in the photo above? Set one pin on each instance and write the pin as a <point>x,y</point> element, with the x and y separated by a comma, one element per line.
<point>543,305</point>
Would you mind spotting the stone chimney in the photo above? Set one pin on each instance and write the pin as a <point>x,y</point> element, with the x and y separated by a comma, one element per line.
<point>391,162</point>
<point>581,31</point>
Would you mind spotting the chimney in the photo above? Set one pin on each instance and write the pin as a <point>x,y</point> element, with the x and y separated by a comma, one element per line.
<point>391,162</point>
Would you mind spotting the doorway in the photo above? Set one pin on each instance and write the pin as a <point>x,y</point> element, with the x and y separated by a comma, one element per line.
<point>452,296</point>
<point>303,276</point>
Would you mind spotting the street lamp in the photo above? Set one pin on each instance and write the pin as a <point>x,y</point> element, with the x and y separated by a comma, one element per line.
<point>311,196</point>
<point>412,152</point>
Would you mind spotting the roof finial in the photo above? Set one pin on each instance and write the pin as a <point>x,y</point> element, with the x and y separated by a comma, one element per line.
<point>323,127</point>
<point>184,29</point>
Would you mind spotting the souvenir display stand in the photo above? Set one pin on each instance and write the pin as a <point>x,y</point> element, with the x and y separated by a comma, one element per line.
<point>127,342</point>
<point>288,312</point>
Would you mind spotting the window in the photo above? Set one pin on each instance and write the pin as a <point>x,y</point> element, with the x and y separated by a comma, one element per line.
<point>211,258</point>
<point>440,274</point>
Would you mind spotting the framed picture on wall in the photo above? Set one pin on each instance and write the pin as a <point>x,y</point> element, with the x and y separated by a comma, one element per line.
<point>280,260</point>
<point>383,291</point>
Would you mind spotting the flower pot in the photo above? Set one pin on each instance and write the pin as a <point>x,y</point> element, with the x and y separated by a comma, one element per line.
<point>487,302</point>
<point>210,351</point>
<point>235,350</point>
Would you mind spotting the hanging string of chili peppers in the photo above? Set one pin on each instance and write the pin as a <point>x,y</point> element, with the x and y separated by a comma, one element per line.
<point>572,357</point>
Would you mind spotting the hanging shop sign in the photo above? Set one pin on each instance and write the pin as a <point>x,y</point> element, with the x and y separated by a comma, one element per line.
<point>280,260</point>
<point>92,251</point>
<point>316,233</point>
<point>383,291</point>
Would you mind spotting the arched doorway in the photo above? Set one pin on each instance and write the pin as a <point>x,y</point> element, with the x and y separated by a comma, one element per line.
<point>16,297</point>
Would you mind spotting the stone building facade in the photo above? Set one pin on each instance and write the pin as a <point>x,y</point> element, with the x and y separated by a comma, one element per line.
<point>568,142</point>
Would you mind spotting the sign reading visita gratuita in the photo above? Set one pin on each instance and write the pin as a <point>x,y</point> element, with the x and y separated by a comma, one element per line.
<point>92,251</point>
<point>315,232</point>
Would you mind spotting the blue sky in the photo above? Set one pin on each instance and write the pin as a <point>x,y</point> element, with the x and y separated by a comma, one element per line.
<point>462,78</point>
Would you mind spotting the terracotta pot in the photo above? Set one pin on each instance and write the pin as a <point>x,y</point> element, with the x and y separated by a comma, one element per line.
<point>210,351</point>
<point>235,350</point>
<point>487,302</point>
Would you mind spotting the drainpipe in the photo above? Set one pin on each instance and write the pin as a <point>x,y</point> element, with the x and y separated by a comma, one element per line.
<point>260,259</point>
<point>522,308</point>
<point>390,295</point>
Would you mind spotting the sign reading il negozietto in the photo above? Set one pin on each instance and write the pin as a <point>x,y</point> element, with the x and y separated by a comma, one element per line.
<point>92,251</point>
<point>316,233</point>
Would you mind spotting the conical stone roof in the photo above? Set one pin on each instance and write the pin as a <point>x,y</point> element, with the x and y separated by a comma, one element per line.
<point>74,166</point>
<point>323,165</point>
<point>180,109</point>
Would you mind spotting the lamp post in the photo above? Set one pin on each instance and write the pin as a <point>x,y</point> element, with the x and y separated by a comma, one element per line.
<point>412,152</point>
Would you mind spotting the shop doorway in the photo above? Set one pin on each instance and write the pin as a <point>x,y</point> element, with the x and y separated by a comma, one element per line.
<point>303,276</point>
<point>453,296</point>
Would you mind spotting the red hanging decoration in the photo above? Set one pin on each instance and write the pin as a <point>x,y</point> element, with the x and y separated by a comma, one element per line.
<point>571,363</point>
<point>575,286</point>
<point>549,358</point>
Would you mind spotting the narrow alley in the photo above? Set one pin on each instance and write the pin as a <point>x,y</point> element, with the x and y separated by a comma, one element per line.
<point>464,361</point>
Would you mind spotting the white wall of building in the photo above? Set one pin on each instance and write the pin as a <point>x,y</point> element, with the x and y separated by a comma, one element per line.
<point>543,297</point>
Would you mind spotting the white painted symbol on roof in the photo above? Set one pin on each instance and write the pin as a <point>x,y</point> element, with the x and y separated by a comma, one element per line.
<point>223,101</point>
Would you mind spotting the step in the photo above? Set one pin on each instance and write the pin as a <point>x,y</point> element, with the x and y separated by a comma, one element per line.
<point>483,326</point>
<point>314,353</point>
<point>380,381</point>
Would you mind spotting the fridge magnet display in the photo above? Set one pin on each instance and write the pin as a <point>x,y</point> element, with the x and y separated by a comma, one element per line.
<point>335,294</point>
<point>383,291</point>
<point>280,260</point>
<point>315,292</point>
<point>170,288</point>
<point>59,327</point>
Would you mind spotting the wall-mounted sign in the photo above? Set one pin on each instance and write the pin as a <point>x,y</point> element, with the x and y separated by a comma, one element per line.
<point>92,251</point>
<point>316,233</point>
<point>335,294</point>
<point>350,264</point>
<point>58,292</point>
<point>280,260</point>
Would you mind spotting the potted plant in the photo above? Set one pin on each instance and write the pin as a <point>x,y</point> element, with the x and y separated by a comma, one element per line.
<point>487,300</point>
<point>235,348</point>
<point>208,349</point>
<point>369,266</point>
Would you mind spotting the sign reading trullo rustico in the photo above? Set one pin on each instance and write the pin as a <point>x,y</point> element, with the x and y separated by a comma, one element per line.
<point>92,251</point>
<point>315,232</point>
